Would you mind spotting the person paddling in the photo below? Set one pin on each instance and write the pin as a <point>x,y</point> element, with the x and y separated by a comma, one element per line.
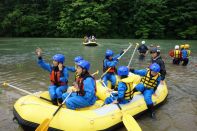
<point>125,88</point>
<point>110,61</point>
<point>58,75</point>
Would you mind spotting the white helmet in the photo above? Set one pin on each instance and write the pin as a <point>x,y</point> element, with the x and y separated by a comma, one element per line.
<point>176,47</point>
<point>143,42</point>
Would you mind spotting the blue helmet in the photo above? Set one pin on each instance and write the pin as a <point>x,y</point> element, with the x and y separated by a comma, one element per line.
<point>109,53</point>
<point>78,58</point>
<point>123,71</point>
<point>59,58</point>
<point>84,64</point>
<point>155,67</point>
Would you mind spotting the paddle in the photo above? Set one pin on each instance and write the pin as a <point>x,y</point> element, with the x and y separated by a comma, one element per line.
<point>45,124</point>
<point>128,121</point>
<point>95,73</point>
<point>27,92</point>
<point>133,54</point>
<point>118,59</point>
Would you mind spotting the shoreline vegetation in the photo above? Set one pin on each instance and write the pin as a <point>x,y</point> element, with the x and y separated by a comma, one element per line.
<point>121,19</point>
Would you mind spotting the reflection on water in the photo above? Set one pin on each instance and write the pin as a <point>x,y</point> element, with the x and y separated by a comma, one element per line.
<point>18,66</point>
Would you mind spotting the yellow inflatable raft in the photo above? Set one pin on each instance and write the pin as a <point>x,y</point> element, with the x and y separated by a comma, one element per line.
<point>90,43</point>
<point>30,111</point>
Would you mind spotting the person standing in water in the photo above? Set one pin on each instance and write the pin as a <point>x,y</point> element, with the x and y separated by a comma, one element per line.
<point>177,55</point>
<point>156,58</point>
<point>142,50</point>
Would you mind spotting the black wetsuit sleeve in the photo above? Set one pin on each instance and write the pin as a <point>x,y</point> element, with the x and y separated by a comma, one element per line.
<point>163,70</point>
<point>146,47</point>
<point>162,67</point>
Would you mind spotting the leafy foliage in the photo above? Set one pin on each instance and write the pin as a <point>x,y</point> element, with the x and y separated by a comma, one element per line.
<point>103,18</point>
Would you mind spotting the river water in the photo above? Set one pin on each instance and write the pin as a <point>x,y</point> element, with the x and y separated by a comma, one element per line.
<point>18,67</point>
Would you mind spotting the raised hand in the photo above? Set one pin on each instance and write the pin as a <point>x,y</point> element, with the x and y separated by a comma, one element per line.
<point>38,52</point>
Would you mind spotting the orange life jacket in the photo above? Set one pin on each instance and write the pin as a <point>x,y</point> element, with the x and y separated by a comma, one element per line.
<point>112,69</point>
<point>171,53</point>
<point>80,80</point>
<point>55,77</point>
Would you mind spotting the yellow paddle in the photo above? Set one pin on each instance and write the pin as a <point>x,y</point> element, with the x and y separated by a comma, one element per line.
<point>27,92</point>
<point>128,121</point>
<point>95,73</point>
<point>45,124</point>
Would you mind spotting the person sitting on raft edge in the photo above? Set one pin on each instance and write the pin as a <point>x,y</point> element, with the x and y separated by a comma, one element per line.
<point>125,88</point>
<point>58,75</point>
<point>85,87</point>
<point>150,80</point>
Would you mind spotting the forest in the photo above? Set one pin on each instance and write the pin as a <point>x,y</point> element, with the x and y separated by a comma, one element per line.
<point>147,19</point>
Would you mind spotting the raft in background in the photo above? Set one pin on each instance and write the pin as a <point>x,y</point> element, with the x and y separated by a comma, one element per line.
<point>90,43</point>
<point>30,111</point>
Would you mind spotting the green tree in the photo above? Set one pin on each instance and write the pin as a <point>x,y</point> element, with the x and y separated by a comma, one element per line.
<point>103,18</point>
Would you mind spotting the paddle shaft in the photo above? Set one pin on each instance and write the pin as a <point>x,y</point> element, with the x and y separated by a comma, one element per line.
<point>118,59</point>
<point>125,51</point>
<point>27,92</point>
<point>128,126</point>
<point>95,73</point>
<point>119,106</point>
<point>133,54</point>
<point>113,96</point>
<point>105,72</point>
<point>61,104</point>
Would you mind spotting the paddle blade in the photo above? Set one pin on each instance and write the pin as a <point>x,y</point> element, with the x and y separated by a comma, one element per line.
<point>44,125</point>
<point>130,123</point>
